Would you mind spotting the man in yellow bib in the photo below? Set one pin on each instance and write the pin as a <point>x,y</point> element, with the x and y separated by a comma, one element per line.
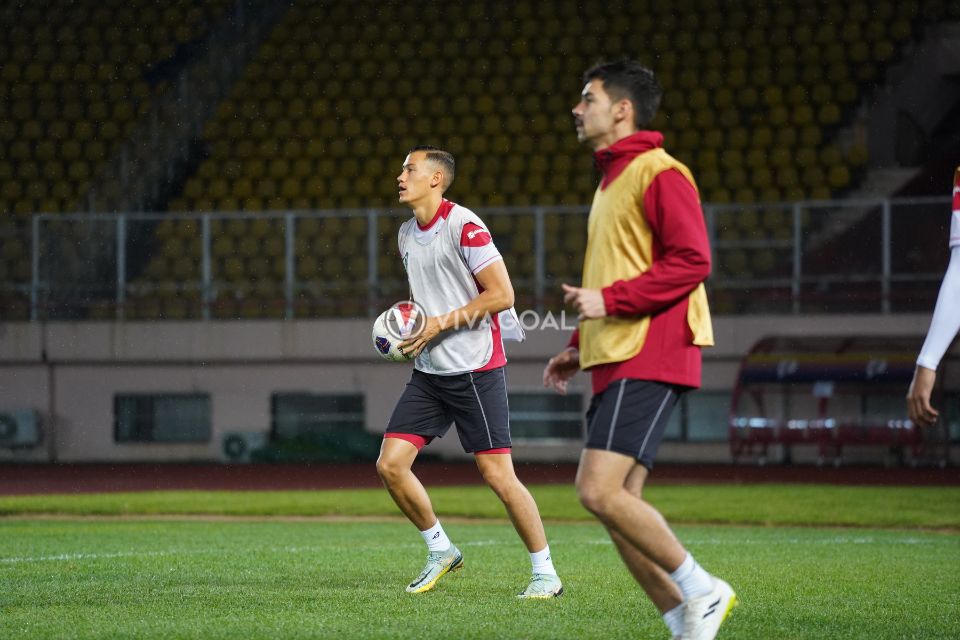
<point>643,319</point>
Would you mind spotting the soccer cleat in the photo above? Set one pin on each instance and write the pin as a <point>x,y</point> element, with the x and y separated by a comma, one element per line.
<point>542,586</point>
<point>704,615</point>
<point>439,563</point>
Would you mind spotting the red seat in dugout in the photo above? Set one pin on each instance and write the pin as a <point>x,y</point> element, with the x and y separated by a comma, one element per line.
<point>835,399</point>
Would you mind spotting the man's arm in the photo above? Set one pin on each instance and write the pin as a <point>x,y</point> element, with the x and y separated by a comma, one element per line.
<point>946,316</point>
<point>681,249</point>
<point>943,328</point>
<point>496,295</point>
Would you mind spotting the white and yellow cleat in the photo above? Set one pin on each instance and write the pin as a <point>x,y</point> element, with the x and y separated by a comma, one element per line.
<point>542,586</point>
<point>704,615</point>
<point>439,563</point>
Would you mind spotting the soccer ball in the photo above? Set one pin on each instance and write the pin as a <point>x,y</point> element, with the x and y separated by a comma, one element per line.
<point>398,323</point>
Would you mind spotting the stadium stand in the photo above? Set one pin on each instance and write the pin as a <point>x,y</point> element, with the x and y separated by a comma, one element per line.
<point>756,96</point>
<point>74,77</point>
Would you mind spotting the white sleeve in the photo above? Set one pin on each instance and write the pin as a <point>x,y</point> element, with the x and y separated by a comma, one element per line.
<point>946,315</point>
<point>477,248</point>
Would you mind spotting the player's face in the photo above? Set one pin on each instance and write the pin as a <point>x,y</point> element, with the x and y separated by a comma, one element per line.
<point>413,183</point>
<point>594,114</point>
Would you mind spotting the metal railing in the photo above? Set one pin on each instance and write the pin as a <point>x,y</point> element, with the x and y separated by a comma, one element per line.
<point>885,256</point>
<point>880,255</point>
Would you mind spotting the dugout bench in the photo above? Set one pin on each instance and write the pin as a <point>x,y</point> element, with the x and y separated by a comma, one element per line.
<point>797,396</point>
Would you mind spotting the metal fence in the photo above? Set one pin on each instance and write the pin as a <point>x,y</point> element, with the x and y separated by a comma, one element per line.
<point>825,256</point>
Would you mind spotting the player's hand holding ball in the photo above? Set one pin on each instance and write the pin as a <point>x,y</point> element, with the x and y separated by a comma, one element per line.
<point>399,323</point>
<point>415,344</point>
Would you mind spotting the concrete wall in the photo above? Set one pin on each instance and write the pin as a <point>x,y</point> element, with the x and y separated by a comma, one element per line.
<point>69,373</point>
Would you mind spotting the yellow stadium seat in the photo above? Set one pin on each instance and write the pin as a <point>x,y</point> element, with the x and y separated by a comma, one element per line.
<point>707,159</point>
<point>762,137</point>
<point>787,177</point>
<point>829,114</point>
<point>709,180</point>
<point>786,136</point>
<point>719,195</point>
<point>821,192</point>
<point>737,138</point>
<point>794,192</point>
<point>78,171</point>
<point>278,169</point>
<point>838,176</point>
<point>813,177</point>
<point>736,178</point>
<point>95,151</point>
<point>756,158</point>
<point>805,157</point>
<point>781,156</point>
<point>762,179</point>
<point>731,159</point>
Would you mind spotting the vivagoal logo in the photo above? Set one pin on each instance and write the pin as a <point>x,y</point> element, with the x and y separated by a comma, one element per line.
<point>405,320</point>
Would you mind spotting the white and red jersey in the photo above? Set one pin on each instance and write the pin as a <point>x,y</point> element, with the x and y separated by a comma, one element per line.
<point>442,259</point>
<point>955,219</point>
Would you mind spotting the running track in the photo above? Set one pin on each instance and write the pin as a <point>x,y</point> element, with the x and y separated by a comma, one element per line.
<point>23,479</point>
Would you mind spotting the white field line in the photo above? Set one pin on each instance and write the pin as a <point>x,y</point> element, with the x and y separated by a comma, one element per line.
<point>63,557</point>
<point>70,557</point>
<point>67,557</point>
<point>833,540</point>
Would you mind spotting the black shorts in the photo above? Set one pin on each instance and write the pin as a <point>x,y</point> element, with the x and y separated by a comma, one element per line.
<point>476,402</point>
<point>629,417</point>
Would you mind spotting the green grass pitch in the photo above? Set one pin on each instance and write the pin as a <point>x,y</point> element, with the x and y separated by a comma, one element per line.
<point>135,577</point>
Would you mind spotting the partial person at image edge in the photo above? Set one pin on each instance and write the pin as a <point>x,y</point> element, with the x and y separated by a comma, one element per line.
<point>943,327</point>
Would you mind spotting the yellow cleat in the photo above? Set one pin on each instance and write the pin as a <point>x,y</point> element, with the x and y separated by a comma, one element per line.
<point>439,563</point>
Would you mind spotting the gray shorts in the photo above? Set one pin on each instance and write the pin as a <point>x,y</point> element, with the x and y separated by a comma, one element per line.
<point>630,416</point>
<point>476,402</point>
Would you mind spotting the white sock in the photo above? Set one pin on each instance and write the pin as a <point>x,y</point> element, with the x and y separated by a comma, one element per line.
<point>436,538</point>
<point>674,620</point>
<point>541,561</point>
<point>692,579</point>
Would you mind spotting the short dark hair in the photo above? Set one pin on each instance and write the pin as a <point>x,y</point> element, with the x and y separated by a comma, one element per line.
<point>631,80</point>
<point>442,158</point>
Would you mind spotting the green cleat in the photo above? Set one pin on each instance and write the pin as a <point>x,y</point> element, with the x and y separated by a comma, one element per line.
<point>439,563</point>
<point>542,586</point>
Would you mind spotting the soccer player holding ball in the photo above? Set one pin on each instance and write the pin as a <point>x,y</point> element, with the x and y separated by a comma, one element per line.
<point>458,278</point>
<point>643,319</point>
